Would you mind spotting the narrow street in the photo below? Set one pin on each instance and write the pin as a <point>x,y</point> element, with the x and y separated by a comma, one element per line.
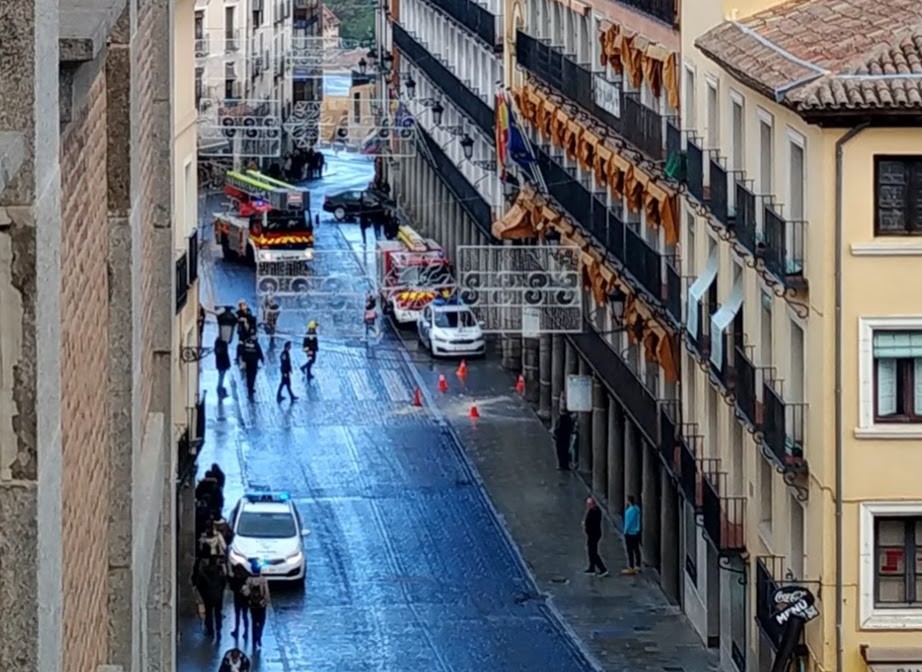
<point>407,567</point>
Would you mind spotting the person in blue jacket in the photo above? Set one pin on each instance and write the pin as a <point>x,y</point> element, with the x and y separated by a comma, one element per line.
<point>632,535</point>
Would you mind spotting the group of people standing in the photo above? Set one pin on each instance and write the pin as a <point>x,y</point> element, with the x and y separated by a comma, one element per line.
<point>213,574</point>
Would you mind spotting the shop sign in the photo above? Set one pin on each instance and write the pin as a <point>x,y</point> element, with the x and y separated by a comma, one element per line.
<point>607,95</point>
<point>793,601</point>
<point>579,393</point>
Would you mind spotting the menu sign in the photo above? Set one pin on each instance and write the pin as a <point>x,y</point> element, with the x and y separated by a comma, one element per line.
<point>794,601</point>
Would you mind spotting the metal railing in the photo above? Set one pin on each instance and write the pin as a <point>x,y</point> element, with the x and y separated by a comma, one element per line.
<point>673,137</point>
<point>695,169</point>
<point>666,11</point>
<point>747,387</point>
<point>700,338</point>
<point>469,103</point>
<point>784,245</point>
<point>689,446</point>
<point>673,290</point>
<point>723,516</point>
<point>467,194</point>
<point>643,262</point>
<point>232,40</point>
<point>767,568</point>
<point>669,436</point>
<point>598,225</point>
<point>642,126</point>
<point>182,282</point>
<point>478,20</point>
<point>746,223</point>
<point>555,69</point>
<point>784,426</point>
<point>615,241</point>
<point>202,47</point>
<point>720,195</point>
<point>637,400</point>
<point>192,254</point>
<point>565,188</point>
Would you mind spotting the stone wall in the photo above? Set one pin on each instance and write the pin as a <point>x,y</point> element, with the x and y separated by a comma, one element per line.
<point>84,378</point>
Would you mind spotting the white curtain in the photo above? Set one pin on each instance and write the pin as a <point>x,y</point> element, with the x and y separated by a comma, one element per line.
<point>886,386</point>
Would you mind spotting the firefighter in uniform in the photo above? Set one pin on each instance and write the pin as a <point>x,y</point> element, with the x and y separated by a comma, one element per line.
<point>252,355</point>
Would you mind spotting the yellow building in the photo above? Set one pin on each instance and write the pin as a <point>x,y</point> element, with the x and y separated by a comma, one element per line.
<point>802,357</point>
<point>186,337</point>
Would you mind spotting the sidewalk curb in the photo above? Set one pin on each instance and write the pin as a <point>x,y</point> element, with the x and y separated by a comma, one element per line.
<point>446,427</point>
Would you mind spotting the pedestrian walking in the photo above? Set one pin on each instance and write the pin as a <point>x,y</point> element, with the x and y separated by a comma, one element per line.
<point>632,536</point>
<point>285,367</point>
<point>212,543</point>
<point>218,475</point>
<point>235,660</point>
<point>271,312</point>
<point>236,582</point>
<point>246,323</point>
<point>364,223</point>
<point>310,347</point>
<point>210,580</point>
<point>371,315</point>
<point>592,526</point>
<point>209,491</point>
<point>256,590</point>
<point>252,358</point>
<point>222,363</point>
<point>563,430</point>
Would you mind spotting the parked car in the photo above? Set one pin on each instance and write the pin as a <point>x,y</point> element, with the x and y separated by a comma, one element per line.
<point>348,205</point>
<point>450,328</point>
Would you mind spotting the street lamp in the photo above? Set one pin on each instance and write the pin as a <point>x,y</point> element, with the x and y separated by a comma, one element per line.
<point>467,146</point>
<point>363,66</point>
<point>387,61</point>
<point>227,323</point>
<point>617,300</point>
<point>437,111</point>
<point>411,87</point>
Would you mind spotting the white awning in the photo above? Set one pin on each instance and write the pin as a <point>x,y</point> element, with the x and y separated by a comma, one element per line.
<point>722,319</point>
<point>698,289</point>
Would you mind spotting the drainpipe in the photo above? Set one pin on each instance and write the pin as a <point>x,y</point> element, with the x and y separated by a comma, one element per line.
<point>840,473</point>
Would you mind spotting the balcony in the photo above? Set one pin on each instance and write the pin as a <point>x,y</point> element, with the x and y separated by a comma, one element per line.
<point>620,380</point>
<point>466,193</point>
<point>784,249</point>
<point>720,192</point>
<point>642,127</point>
<point>666,11</point>
<point>747,403</point>
<point>192,255</point>
<point>644,263</point>
<point>669,443</point>
<point>469,103</point>
<point>182,282</point>
<point>746,224</point>
<point>480,22</point>
<point>673,290</point>
<point>767,568</point>
<point>553,68</point>
<point>687,464</point>
<point>565,188</point>
<point>232,40</point>
<point>694,179</point>
<point>783,427</point>
<point>673,137</point>
<point>723,516</point>
<point>699,339</point>
<point>599,224</point>
<point>202,47</point>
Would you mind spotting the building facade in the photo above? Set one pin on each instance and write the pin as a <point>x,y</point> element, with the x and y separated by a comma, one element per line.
<point>86,451</point>
<point>448,66</point>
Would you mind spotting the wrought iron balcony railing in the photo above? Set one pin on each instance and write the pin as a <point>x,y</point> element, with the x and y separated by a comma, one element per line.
<point>746,223</point>
<point>673,137</point>
<point>644,263</point>
<point>466,193</point>
<point>784,246</point>
<point>723,516</point>
<point>469,103</point>
<point>614,243</point>
<point>558,71</point>
<point>569,192</point>
<point>666,11</point>
<point>642,127</point>
<point>192,255</point>
<point>689,476</point>
<point>720,192</point>
<point>747,388</point>
<point>637,400</point>
<point>669,443</point>
<point>673,290</point>
<point>477,19</point>
<point>599,225</point>
<point>202,47</point>
<point>700,338</point>
<point>182,281</point>
<point>767,568</point>
<point>784,427</point>
<point>695,169</point>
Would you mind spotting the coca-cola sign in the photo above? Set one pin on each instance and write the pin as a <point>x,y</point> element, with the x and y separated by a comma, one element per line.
<point>793,601</point>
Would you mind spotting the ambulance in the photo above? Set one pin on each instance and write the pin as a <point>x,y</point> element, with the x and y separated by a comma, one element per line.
<point>270,220</point>
<point>412,272</point>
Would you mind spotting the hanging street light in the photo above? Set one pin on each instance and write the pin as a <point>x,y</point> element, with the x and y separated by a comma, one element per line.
<point>437,111</point>
<point>411,87</point>
<point>467,146</point>
<point>363,66</point>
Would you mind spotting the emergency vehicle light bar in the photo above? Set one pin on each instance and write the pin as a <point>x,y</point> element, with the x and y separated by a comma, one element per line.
<point>413,241</point>
<point>256,189</point>
<point>279,497</point>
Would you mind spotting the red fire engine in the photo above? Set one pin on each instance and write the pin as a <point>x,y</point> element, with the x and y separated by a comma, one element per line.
<point>412,271</point>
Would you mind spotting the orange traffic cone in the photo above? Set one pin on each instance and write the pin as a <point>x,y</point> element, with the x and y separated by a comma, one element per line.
<point>417,397</point>
<point>443,384</point>
<point>462,369</point>
<point>474,414</point>
<point>520,384</point>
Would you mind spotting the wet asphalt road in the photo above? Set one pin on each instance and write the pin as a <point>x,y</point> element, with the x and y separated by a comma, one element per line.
<point>408,569</point>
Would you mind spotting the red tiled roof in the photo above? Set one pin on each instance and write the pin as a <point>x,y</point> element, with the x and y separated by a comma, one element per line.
<point>827,55</point>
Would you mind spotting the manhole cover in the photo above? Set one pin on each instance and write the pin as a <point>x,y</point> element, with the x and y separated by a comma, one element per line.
<point>560,580</point>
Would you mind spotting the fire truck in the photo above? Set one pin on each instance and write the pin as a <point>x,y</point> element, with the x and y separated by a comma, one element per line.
<point>271,220</point>
<point>412,272</point>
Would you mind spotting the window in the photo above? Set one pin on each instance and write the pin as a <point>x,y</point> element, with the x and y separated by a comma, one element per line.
<point>898,562</point>
<point>766,329</point>
<point>229,88</point>
<point>796,186</point>
<point>230,16</point>
<point>690,99</point>
<point>766,149</point>
<point>738,130</point>
<point>200,25</point>
<point>765,495</point>
<point>897,376</point>
<point>796,556</point>
<point>898,195</point>
<point>713,131</point>
<point>795,391</point>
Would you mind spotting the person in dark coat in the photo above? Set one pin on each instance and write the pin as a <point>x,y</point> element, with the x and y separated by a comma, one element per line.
<point>310,347</point>
<point>252,357</point>
<point>592,526</point>
<point>210,580</point>
<point>364,223</point>
<point>235,660</point>
<point>238,579</point>
<point>563,430</point>
<point>285,367</point>
<point>246,323</point>
<point>218,475</point>
<point>222,363</point>
<point>209,492</point>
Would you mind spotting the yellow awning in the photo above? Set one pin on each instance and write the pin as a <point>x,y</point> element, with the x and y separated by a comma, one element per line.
<point>514,225</point>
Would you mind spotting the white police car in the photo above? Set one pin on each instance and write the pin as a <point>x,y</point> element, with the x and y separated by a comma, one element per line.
<point>268,530</point>
<point>448,327</point>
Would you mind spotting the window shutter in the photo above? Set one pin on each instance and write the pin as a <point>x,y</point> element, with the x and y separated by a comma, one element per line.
<point>886,386</point>
<point>917,378</point>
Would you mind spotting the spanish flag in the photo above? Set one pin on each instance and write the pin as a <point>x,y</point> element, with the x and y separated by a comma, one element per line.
<point>502,128</point>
